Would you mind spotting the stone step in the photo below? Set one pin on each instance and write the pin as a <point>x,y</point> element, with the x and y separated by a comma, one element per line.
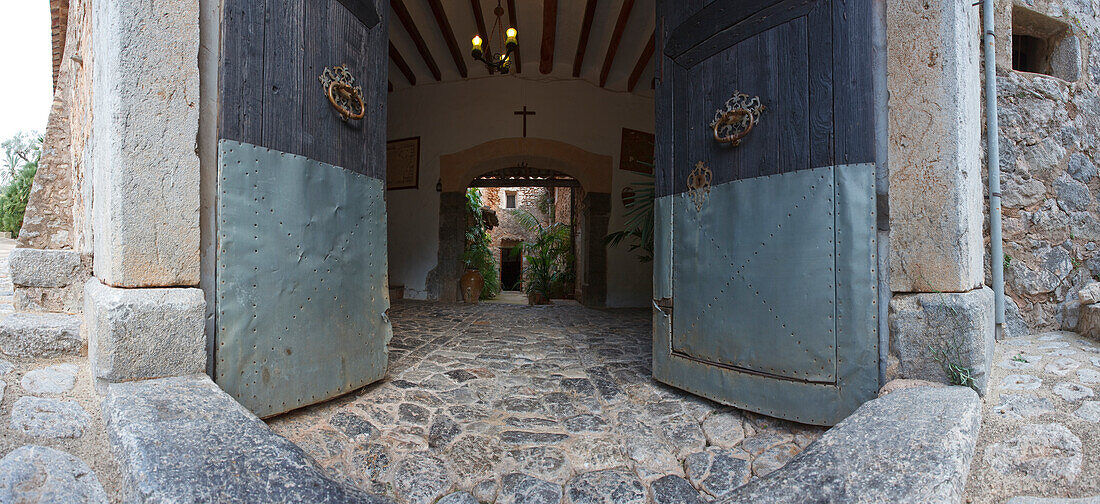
<point>48,268</point>
<point>183,439</point>
<point>40,335</point>
<point>911,446</point>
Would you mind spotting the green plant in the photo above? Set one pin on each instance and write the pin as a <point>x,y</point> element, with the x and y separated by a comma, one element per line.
<point>948,352</point>
<point>21,155</point>
<point>548,255</point>
<point>1008,261</point>
<point>639,221</point>
<point>1019,358</point>
<point>478,253</point>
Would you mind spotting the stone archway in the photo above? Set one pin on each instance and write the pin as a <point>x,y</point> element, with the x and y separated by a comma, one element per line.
<point>592,171</point>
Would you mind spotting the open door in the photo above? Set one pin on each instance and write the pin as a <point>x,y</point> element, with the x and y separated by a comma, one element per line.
<point>765,269</point>
<point>301,254</point>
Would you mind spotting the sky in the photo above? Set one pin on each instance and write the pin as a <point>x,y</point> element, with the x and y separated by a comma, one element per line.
<point>26,57</point>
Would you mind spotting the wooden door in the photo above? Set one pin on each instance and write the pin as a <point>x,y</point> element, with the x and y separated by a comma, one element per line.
<point>765,271</point>
<point>301,256</point>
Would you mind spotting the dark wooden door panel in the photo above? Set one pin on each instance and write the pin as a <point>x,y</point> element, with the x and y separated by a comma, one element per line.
<point>788,65</point>
<point>273,54</point>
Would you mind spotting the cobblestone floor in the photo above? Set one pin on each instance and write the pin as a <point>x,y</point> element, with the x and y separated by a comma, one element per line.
<point>51,403</point>
<point>1041,421</point>
<point>544,404</point>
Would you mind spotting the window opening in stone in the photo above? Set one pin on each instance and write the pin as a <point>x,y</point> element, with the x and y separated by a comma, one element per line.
<point>1044,45</point>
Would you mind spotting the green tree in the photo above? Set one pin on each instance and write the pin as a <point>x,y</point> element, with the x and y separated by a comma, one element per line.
<point>548,255</point>
<point>22,153</point>
<point>478,253</point>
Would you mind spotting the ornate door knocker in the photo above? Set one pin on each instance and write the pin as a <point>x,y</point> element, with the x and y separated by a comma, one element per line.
<point>343,94</point>
<point>699,184</point>
<point>736,120</point>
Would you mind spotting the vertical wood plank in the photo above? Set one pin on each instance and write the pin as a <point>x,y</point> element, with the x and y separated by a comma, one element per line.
<point>377,97</point>
<point>853,99</point>
<point>792,105</point>
<point>282,77</point>
<point>318,117</point>
<point>241,71</point>
<point>820,30</point>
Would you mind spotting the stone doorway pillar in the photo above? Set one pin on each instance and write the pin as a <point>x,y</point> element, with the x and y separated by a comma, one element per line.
<point>143,311</point>
<point>443,280</point>
<point>595,215</point>
<point>936,195</point>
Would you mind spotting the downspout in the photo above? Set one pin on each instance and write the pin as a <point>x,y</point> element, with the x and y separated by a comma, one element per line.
<point>993,158</point>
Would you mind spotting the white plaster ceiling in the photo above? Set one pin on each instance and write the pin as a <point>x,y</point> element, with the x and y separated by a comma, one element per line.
<point>570,18</point>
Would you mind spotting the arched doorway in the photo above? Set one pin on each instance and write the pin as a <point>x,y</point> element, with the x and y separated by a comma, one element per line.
<point>541,158</point>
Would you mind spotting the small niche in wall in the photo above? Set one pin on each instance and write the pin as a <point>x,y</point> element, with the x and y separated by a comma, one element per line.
<point>1045,45</point>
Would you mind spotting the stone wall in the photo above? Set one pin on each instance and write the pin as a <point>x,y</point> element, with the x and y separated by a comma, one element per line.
<point>1049,139</point>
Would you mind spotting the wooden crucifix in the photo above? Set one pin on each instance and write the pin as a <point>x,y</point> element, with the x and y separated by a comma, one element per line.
<point>524,113</point>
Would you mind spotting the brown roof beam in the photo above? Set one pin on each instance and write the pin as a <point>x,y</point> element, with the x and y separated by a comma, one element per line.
<point>421,46</point>
<point>616,37</point>
<point>549,34</point>
<point>395,55</point>
<point>586,30</point>
<point>512,14</point>
<point>643,61</point>
<point>448,35</point>
<point>479,18</point>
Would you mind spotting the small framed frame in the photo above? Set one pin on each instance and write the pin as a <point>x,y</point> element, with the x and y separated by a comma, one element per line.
<point>637,151</point>
<point>403,163</point>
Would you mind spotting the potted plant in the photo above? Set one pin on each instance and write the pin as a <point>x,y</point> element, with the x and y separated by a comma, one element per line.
<point>547,257</point>
<point>480,280</point>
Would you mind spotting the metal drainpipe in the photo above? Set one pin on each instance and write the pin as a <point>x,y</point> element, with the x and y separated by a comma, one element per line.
<point>992,133</point>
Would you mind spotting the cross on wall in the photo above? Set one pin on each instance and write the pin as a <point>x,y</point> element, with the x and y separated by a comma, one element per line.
<point>525,113</point>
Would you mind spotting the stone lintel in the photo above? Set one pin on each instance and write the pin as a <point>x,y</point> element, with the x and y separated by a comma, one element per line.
<point>936,192</point>
<point>145,182</point>
<point>925,327</point>
<point>137,334</point>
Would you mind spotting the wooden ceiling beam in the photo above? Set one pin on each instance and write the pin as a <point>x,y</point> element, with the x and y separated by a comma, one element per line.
<point>479,18</point>
<point>616,37</point>
<point>512,15</point>
<point>586,30</point>
<point>643,62</point>
<point>448,35</point>
<point>421,46</point>
<point>395,56</point>
<point>549,34</point>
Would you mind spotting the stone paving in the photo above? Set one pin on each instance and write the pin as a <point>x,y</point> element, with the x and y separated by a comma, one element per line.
<point>52,439</point>
<point>1041,421</point>
<point>508,404</point>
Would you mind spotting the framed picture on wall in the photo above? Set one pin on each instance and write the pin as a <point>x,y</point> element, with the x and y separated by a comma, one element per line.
<point>637,151</point>
<point>403,163</point>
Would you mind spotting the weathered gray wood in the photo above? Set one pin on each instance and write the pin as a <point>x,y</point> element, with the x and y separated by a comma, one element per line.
<point>364,10</point>
<point>271,95</point>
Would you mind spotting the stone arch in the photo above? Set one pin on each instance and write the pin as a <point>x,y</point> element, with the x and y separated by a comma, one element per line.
<point>591,170</point>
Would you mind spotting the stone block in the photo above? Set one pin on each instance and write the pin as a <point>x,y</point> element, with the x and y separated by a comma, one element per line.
<point>936,195</point>
<point>40,335</point>
<point>1089,294</point>
<point>1088,323</point>
<point>135,334</point>
<point>48,268</point>
<point>68,299</point>
<point>40,474</point>
<point>924,327</point>
<point>145,186</point>
<point>911,446</point>
<point>183,439</point>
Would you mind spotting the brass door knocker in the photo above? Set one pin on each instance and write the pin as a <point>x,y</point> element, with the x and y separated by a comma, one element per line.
<point>343,94</point>
<point>736,120</point>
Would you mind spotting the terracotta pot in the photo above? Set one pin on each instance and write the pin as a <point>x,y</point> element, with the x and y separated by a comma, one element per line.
<point>537,298</point>
<point>472,282</point>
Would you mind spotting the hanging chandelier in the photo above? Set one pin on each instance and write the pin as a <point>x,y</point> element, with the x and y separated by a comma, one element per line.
<point>497,61</point>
